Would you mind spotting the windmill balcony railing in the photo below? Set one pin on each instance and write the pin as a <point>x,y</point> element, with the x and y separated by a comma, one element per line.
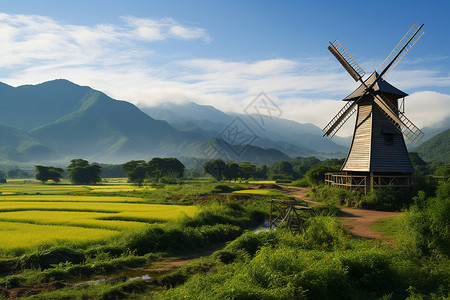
<point>367,182</point>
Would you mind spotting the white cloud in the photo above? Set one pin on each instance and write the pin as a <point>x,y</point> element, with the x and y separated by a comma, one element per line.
<point>116,59</point>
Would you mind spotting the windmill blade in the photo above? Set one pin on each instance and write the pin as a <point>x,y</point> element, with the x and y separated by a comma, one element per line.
<point>341,117</point>
<point>405,44</point>
<point>346,60</point>
<point>411,131</point>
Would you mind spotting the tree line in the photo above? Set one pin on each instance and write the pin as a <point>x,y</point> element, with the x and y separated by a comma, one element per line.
<point>294,169</point>
<point>166,170</point>
<point>79,171</point>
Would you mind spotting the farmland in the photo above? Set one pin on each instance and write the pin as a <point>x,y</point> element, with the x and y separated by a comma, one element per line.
<point>32,214</point>
<point>115,241</point>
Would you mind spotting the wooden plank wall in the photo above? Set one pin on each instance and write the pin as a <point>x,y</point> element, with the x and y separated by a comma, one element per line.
<point>358,158</point>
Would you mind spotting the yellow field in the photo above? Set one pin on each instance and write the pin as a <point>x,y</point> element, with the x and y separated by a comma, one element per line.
<point>33,188</point>
<point>256,192</point>
<point>69,218</point>
<point>33,213</point>
<point>21,235</point>
<point>67,198</point>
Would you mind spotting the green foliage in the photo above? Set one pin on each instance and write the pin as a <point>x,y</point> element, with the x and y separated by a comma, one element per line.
<point>437,148</point>
<point>216,168</point>
<point>321,263</point>
<point>380,199</point>
<point>81,172</point>
<point>232,171</point>
<point>425,227</point>
<point>48,173</point>
<point>246,170</point>
<point>43,259</point>
<point>165,167</point>
<point>316,174</point>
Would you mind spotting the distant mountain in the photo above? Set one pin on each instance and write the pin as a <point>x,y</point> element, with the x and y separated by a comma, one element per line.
<point>285,135</point>
<point>431,131</point>
<point>60,120</point>
<point>30,106</point>
<point>436,148</point>
<point>17,145</point>
<point>217,148</point>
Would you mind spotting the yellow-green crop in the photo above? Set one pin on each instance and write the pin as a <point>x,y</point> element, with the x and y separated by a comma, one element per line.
<point>20,235</point>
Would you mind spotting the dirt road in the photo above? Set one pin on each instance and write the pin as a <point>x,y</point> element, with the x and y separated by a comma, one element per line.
<point>357,221</point>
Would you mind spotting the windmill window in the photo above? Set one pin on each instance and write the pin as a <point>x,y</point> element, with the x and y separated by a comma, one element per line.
<point>388,135</point>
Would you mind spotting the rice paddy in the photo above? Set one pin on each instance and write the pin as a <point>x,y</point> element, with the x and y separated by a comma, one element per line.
<point>33,213</point>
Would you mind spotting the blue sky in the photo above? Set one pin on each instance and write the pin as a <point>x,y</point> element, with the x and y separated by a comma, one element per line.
<point>224,53</point>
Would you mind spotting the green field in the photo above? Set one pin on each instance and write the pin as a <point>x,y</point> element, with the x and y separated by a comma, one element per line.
<point>32,213</point>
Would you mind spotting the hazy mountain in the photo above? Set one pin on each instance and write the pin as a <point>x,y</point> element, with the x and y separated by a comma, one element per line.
<point>217,148</point>
<point>436,148</point>
<point>30,106</point>
<point>76,121</point>
<point>281,134</point>
<point>17,145</point>
<point>430,131</point>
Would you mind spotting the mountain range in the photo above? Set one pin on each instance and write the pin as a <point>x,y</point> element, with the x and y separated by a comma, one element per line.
<point>59,120</point>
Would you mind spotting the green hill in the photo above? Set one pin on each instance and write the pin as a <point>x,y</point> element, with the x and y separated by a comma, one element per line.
<point>17,145</point>
<point>436,149</point>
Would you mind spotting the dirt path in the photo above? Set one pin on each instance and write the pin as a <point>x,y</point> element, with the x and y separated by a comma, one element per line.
<point>357,221</point>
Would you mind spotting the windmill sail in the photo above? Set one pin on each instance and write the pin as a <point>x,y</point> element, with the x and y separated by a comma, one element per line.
<point>411,131</point>
<point>405,44</point>
<point>341,117</point>
<point>346,60</point>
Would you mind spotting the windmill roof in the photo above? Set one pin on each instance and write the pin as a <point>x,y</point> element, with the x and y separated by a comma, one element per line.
<point>380,86</point>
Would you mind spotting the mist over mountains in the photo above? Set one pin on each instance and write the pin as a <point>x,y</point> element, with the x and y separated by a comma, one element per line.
<point>59,120</point>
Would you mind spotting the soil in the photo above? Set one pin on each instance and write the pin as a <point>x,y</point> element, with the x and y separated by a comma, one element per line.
<point>357,221</point>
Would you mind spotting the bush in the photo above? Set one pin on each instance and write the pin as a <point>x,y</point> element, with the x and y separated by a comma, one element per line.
<point>426,225</point>
<point>301,182</point>
<point>46,258</point>
<point>283,181</point>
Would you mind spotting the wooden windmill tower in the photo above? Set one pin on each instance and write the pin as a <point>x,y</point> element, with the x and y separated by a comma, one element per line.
<point>378,156</point>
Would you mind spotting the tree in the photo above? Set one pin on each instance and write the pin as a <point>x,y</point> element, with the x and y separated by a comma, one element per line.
<point>215,168</point>
<point>283,169</point>
<point>246,170</point>
<point>138,174</point>
<point>165,167</point>
<point>131,165</point>
<point>231,171</point>
<point>44,173</point>
<point>2,175</point>
<point>136,171</point>
<point>316,174</point>
<point>156,168</point>
<point>81,172</point>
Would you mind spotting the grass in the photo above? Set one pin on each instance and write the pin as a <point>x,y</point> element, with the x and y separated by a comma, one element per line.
<point>387,226</point>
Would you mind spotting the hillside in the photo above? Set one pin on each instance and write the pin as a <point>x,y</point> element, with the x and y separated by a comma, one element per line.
<point>284,135</point>
<point>17,145</point>
<point>59,120</point>
<point>436,148</point>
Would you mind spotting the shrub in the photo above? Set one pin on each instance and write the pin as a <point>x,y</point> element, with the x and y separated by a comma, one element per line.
<point>426,225</point>
<point>44,259</point>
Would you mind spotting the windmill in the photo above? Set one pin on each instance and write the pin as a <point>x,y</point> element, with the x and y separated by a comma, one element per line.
<point>378,156</point>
